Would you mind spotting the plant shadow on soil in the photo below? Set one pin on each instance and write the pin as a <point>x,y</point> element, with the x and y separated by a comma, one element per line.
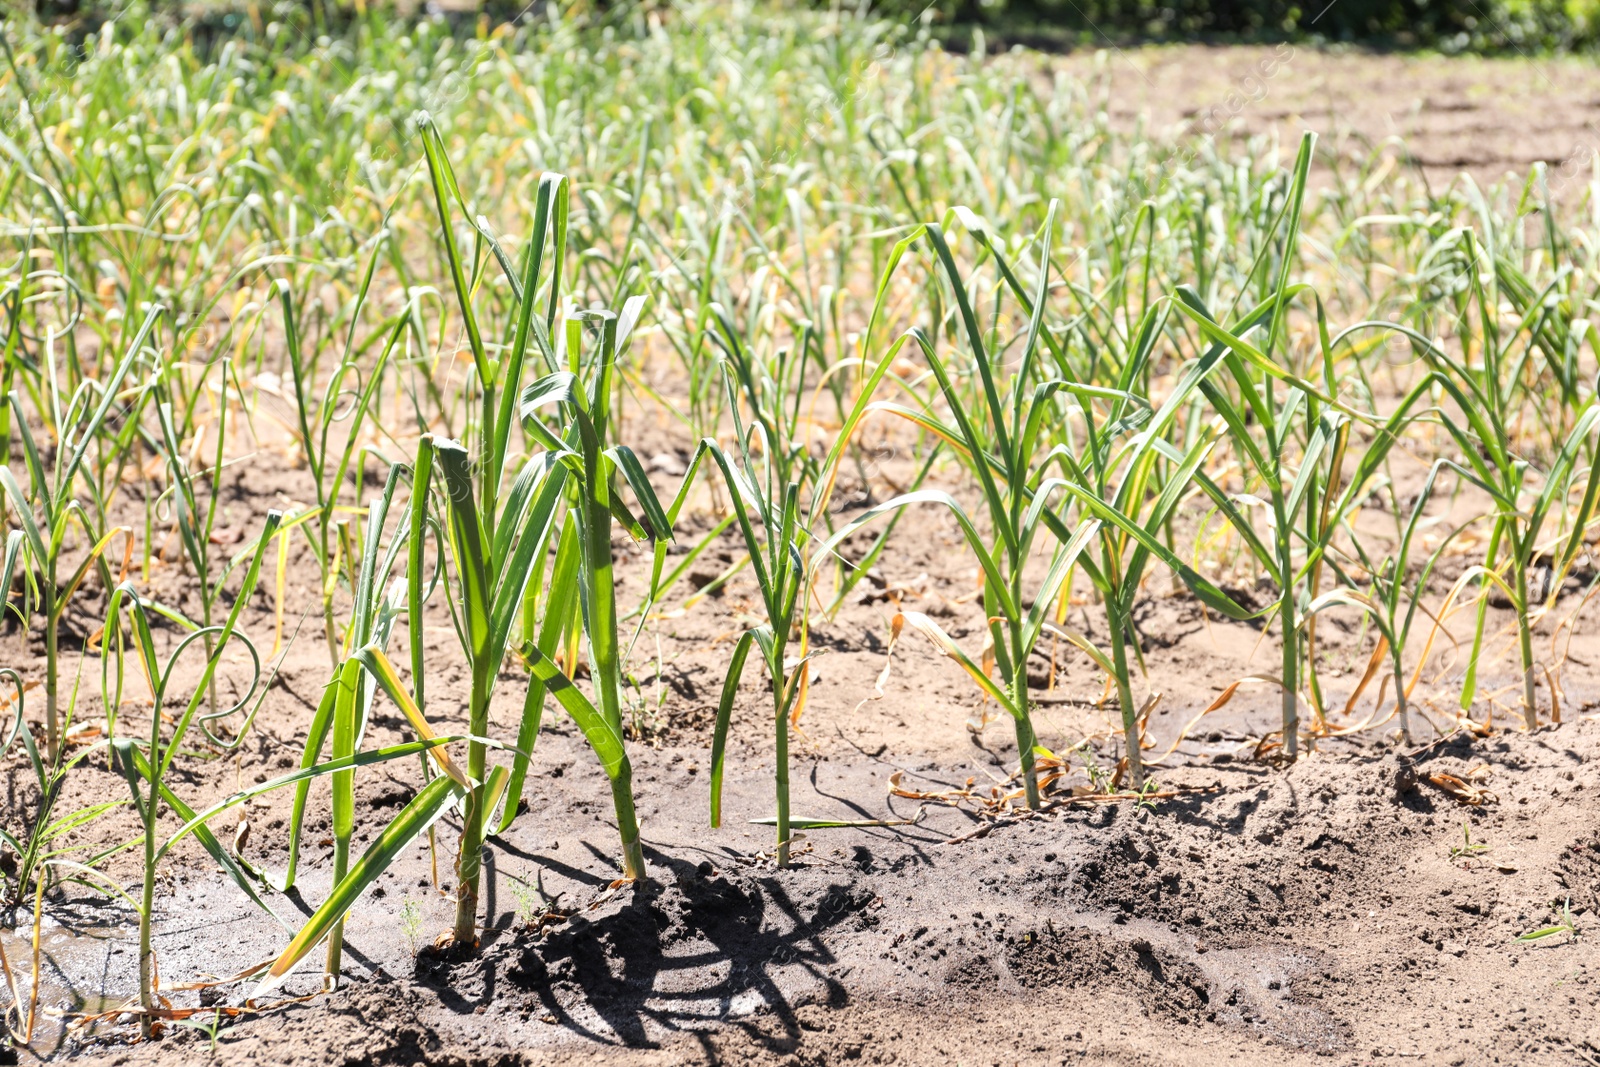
<point>713,941</point>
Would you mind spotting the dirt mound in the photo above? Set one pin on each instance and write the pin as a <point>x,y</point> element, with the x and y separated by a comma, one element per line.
<point>1316,912</point>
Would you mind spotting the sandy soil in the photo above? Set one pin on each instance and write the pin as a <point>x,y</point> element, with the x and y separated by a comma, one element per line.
<point>1264,914</point>
<point>1489,118</point>
<point>1257,914</point>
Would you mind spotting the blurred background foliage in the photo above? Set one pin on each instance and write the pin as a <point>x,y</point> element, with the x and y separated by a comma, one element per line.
<point>1446,25</point>
<point>1451,26</point>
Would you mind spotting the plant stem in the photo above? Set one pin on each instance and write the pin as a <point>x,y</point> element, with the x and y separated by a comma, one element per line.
<point>1400,702</point>
<point>594,528</point>
<point>51,638</point>
<point>1025,736</point>
<point>210,645</point>
<point>781,776</point>
<point>627,822</point>
<point>329,626</point>
<point>1469,682</point>
<point>1130,715</point>
<point>348,680</point>
<point>330,579</point>
<point>470,860</point>
<point>1530,705</point>
<point>1291,654</point>
<point>147,900</point>
<point>341,866</point>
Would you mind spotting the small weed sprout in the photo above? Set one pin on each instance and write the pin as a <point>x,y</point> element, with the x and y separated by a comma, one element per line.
<point>1564,925</point>
<point>411,925</point>
<point>209,1025</point>
<point>1147,797</point>
<point>1468,849</point>
<point>531,902</point>
<point>645,694</point>
<point>1099,777</point>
